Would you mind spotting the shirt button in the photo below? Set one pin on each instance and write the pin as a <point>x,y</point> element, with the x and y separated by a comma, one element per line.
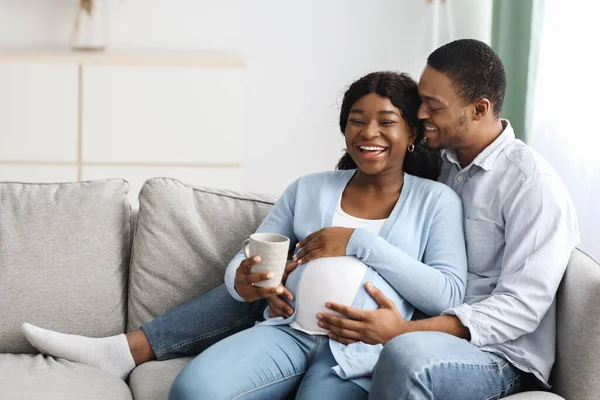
<point>460,178</point>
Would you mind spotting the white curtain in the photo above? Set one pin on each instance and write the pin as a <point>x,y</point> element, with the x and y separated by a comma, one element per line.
<point>564,108</point>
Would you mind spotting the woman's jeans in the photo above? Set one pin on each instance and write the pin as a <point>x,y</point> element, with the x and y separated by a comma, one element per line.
<point>196,325</point>
<point>420,365</point>
<point>265,362</point>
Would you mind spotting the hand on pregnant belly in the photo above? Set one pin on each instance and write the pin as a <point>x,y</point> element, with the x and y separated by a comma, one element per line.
<point>326,242</point>
<point>331,279</point>
<point>278,305</point>
<point>367,326</point>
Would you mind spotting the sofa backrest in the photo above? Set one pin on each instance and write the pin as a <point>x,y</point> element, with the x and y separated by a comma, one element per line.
<point>64,255</point>
<point>184,239</point>
<point>575,374</point>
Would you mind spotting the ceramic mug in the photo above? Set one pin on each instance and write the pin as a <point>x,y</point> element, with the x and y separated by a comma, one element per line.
<point>273,251</point>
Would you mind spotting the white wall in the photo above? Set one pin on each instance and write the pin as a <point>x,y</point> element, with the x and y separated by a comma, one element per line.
<point>300,56</point>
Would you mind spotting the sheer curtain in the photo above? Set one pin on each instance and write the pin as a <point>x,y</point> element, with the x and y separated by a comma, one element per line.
<point>564,108</point>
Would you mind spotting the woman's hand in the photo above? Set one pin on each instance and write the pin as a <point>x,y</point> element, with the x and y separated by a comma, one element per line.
<point>368,326</point>
<point>279,307</point>
<point>245,280</point>
<point>327,242</point>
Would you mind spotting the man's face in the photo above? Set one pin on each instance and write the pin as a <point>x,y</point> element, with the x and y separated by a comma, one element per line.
<point>442,111</point>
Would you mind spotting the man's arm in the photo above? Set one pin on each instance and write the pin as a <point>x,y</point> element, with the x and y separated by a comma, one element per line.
<point>540,234</point>
<point>445,323</point>
<point>381,325</point>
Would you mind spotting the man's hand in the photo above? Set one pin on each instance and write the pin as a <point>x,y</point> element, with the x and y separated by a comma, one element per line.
<point>279,307</point>
<point>326,242</point>
<point>245,280</point>
<point>368,326</point>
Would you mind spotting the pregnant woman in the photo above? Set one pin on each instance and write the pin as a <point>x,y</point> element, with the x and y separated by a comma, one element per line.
<point>371,223</point>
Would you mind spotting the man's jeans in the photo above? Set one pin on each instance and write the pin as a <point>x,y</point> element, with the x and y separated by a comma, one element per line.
<point>434,365</point>
<point>420,365</point>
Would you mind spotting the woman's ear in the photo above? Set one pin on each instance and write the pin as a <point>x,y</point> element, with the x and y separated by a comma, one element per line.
<point>412,136</point>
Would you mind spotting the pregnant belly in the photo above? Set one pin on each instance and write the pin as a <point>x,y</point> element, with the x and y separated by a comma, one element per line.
<point>335,279</point>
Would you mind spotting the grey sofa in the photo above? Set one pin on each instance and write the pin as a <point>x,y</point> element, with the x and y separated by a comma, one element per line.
<point>75,258</point>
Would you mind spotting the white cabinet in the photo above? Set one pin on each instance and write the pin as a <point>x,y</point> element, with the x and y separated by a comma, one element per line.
<point>38,112</point>
<point>127,115</point>
<point>162,114</point>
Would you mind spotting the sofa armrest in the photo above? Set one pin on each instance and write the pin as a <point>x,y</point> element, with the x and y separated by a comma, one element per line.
<point>577,367</point>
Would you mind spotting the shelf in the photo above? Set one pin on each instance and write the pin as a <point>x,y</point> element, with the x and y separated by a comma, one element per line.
<point>209,59</point>
<point>120,164</point>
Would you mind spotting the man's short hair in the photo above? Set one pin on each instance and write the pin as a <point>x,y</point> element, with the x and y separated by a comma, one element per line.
<point>475,70</point>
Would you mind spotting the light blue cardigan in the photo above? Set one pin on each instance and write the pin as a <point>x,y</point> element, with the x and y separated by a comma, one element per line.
<point>418,259</point>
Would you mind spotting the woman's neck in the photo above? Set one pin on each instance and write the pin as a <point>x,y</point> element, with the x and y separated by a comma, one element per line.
<point>386,182</point>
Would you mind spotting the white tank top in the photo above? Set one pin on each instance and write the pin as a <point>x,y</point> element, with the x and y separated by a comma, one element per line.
<point>335,279</point>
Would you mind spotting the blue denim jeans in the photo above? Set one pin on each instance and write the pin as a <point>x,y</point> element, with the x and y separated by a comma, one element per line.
<point>265,362</point>
<point>192,327</point>
<point>420,365</point>
<point>434,365</point>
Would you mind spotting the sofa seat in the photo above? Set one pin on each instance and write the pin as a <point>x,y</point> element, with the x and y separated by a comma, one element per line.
<point>33,377</point>
<point>152,380</point>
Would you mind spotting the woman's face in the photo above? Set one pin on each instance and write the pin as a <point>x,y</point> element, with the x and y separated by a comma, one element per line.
<point>376,135</point>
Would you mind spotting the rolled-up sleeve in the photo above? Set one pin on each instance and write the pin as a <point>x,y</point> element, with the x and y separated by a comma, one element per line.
<point>540,234</point>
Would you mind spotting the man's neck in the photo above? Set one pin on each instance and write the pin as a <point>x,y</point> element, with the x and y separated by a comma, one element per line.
<point>481,140</point>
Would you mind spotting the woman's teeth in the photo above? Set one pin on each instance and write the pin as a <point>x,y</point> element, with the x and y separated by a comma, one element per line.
<point>372,148</point>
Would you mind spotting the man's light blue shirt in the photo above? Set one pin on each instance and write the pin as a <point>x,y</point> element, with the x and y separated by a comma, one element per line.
<point>520,229</point>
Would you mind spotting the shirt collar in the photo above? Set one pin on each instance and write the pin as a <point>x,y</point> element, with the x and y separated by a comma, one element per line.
<point>486,158</point>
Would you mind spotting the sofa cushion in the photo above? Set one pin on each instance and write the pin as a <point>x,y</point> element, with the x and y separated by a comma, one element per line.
<point>64,251</point>
<point>184,239</point>
<point>152,380</point>
<point>35,377</point>
<point>577,368</point>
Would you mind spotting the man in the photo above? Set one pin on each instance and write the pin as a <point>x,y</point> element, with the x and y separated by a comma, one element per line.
<point>520,229</point>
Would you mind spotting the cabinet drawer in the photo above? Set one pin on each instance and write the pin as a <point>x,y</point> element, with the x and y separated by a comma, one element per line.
<point>162,114</point>
<point>38,112</point>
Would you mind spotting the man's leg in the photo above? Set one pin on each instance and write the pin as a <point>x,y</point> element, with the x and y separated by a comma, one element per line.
<point>185,330</point>
<point>434,365</point>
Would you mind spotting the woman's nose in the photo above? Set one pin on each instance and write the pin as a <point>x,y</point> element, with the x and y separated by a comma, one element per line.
<point>371,130</point>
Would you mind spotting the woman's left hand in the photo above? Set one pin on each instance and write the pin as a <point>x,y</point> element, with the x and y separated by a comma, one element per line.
<point>326,242</point>
<point>368,326</point>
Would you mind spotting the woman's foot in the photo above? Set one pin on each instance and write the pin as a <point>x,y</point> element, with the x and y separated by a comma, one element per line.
<point>110,354</point>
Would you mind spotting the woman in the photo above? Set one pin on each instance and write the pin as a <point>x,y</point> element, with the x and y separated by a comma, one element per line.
<point>167,336</point>
<point>378,224</point>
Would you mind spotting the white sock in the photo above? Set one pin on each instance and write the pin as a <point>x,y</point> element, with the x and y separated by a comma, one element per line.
<point>110,354</point>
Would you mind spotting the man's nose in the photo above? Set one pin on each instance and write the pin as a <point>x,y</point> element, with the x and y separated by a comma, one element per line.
<point>423,112</point>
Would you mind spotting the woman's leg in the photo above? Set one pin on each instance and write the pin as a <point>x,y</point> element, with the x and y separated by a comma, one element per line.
<point>185,330</point>
<point>264,362</point>
<point>192,327</point>
<point>320,382</point>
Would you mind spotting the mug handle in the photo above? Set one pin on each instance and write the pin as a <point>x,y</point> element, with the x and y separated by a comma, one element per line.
<point>246,248</point>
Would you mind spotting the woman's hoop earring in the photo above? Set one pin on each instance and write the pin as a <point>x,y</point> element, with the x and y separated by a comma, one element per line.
<point>411,147</point>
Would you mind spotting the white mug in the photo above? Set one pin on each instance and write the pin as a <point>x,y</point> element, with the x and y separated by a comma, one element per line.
<point>273,251</point>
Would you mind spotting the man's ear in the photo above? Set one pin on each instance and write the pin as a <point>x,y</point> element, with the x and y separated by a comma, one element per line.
<point>482,107</point>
